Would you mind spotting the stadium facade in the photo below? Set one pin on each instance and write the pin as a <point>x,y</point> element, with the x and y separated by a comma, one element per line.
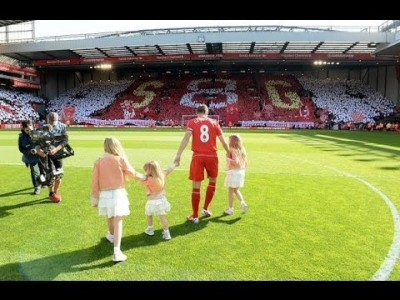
<point>54,65</point>
<point>66,61</point>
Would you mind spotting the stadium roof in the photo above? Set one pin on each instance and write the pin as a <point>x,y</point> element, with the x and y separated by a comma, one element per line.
<point>11,22</point>
<point>390,49</point>
<point>266,44</point>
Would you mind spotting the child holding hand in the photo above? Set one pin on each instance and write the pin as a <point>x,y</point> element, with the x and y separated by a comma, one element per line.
<point>157,203</point>
<point>236,167</point>
<point>110,174</point>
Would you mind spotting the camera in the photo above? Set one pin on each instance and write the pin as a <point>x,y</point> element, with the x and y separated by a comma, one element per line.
<point>43,139</point>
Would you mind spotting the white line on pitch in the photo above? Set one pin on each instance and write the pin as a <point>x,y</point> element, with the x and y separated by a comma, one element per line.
<point>394,251</point>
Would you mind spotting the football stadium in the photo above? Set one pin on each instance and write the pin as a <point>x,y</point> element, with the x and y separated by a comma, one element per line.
<point>317,110</point>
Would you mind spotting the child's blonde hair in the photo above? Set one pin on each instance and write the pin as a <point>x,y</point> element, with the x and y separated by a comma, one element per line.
<point>153,169</point>
<point>113,146</point>
<point>235,143</point>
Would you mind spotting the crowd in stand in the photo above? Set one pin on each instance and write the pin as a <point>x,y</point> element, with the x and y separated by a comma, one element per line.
<point>347,99</point>
<point>16,106</point>
<point>89,97</point>
<point>257,98</point>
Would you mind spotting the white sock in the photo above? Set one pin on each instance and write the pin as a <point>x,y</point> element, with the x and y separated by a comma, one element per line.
<point>117,250</point>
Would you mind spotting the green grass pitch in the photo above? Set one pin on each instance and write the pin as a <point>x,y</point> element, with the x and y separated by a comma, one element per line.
<point>322,206</point>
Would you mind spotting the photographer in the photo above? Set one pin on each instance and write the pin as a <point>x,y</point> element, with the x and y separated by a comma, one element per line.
<point>57,129</point>
<point>30,156</point>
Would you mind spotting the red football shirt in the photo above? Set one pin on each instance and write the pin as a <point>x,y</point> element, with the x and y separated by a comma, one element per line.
<point>204,135</point>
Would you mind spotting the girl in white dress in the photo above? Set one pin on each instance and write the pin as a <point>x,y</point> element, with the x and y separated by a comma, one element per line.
<point>236,166</point>
<point>110,174</point>
<point>157,203</point>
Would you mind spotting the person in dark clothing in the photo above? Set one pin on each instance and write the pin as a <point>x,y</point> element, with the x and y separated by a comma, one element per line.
<point>56,129</point>
<point>29,155</point>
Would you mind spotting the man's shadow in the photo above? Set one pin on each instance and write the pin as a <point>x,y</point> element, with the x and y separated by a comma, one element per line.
<point>221,219</point>
<point>4,210</point>
<point>48,268</point>
<point>15,193</point>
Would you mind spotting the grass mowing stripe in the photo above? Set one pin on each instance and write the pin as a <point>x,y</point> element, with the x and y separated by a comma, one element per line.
<point>393,255</point>
<point>304,223</point>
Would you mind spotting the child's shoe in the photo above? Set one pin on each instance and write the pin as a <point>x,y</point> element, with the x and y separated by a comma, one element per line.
<point>229,211</point>
<point>110,238</point>
<point>149,231</point>
<point>166,235</point>
<point>244,207</point>
<point>119,256</point>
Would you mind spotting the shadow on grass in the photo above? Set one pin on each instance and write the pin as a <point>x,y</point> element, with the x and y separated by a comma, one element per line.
<point>4,210</point>
<point>143,240</point>
<point>17,192</point>
<point>345,154</point>
<point>221,219</point>
<point>365,159</point>
<point>394,168</point>
<point>365,142</point>
<point>48,268</point>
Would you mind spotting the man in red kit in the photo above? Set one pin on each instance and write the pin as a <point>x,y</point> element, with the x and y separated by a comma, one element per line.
<point>204,132</point>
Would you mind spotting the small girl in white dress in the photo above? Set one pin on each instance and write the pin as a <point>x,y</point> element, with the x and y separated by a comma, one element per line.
<point>157,203</point>
<point>236,165</point>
